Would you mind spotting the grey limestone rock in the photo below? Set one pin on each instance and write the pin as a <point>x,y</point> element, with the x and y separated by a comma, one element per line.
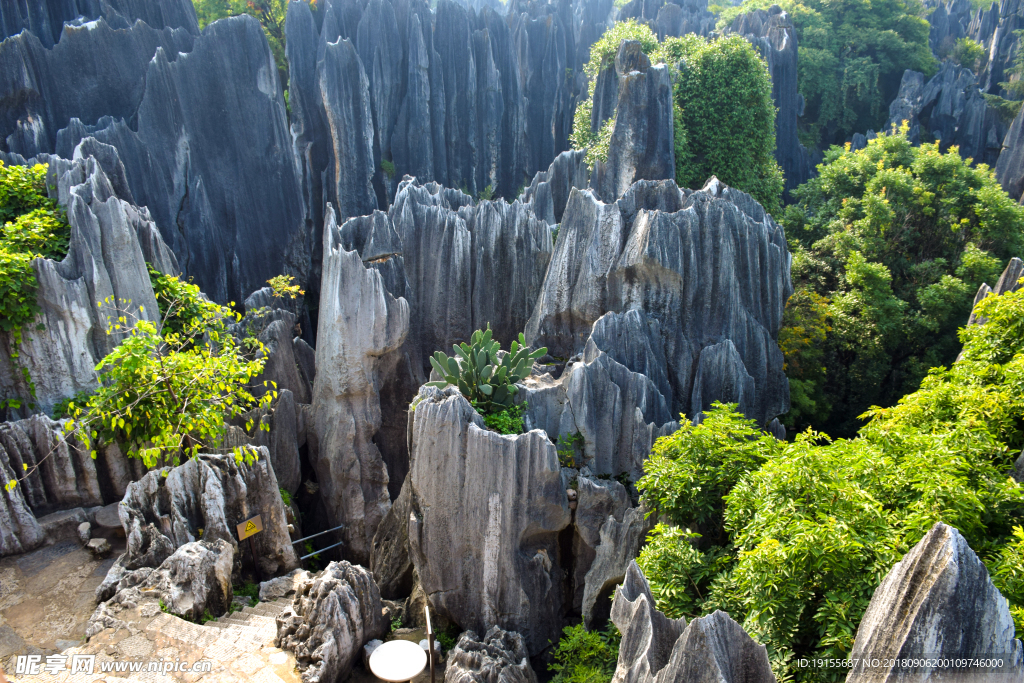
<point>938,601</point>
<point>1010,166</point>
<point>19,529</point>
<point>642,145</point>
<point>703,270</point>
<point>485,514</point>
<point>949,108</point>
<point>284,586</point>
<point>167,507</point>
<point>196,578</point>
<point>361,327</point>
<point>656,649</point>
<point>499,657</point>
<point>549,190</point>
<point>1009,281</point>
<point>47,18</point>
<point>105,262</point>
<point>334,613</point>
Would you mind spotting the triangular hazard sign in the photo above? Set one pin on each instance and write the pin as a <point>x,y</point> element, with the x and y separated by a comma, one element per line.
<point>249,527</point>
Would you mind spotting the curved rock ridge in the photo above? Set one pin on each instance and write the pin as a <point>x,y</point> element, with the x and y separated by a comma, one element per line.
<point>709,270</point>
<point>333,614</point>
<point>111,241</point>
<point>656,649</point>
<point>498,657</point>
<point>47,18</point>
<point>361,329</point>
<point>549,190</point>
<point>948,108</point>
<point>108,77</point>
<point>937,602</point>
<point>485,512</point>
<point>203,498</point>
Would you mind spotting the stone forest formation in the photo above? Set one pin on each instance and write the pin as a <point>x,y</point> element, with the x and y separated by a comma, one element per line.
<point>644,341</point>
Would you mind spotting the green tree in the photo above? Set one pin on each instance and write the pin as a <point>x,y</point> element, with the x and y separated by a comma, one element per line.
<point>723,118</point>
<point>852,56</point>
<point>896,239</point>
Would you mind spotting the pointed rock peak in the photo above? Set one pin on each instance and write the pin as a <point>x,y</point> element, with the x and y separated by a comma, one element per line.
<point>630,58</point>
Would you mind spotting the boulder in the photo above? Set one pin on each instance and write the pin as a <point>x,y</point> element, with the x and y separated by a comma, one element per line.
<point>99,547</point>
<point>286,586</point>
<point>499,657</point>
<point>203,498</point>
<point>334,613</point>
<point>486,511</point>
<point>361,326</point>
<point>656,649</point>
<point>937,602</point>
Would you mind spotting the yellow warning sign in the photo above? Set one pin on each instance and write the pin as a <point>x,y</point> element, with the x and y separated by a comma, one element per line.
<point>249,527</point>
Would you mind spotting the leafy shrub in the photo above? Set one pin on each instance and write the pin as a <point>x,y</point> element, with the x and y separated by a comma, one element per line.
<point>286,497</point>
<point>569,446</point>
<point>811,531</point>
<point>486,194</point>
<point>487,382</point>
<point>284,287</point>
<point>967,52</point>
<point>166,395</point>
<point>388,168</point>
<point>508,421</point>
<point>889,245</point>
<point>583,656</point>
<point>31,225</point>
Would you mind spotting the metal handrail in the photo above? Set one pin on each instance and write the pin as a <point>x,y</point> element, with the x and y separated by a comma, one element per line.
<point>306,538</point>
<point>317,552</point>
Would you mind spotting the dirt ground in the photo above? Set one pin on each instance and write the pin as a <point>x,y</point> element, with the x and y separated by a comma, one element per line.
<point>47,597</point>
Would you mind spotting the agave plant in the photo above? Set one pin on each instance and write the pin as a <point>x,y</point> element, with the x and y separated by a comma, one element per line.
<point>488,383</point>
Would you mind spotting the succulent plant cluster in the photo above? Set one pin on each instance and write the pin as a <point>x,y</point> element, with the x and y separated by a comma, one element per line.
<point>489,382</point>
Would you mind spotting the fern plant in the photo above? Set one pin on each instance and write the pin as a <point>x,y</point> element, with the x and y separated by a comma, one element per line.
<point>487,382</point>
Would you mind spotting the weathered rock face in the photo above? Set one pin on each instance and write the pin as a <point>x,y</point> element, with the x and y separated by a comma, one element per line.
<point>108,78</point>
<point>106,258</point>
<point>948,108</point>
<point>166,509</point>
<point>549,190</point>
<point>361,328</point>
<point>642,145</point>
<point>19,529</point>
<point>485,511</point>
<point>47,19</point>
<point>938,601</point>
<point>709,270</point>
<point>993,27</point>
<point>498,657</point>
<point>1010,166</point>
<point>334,613</point>
<point>657,649</point>
<point>460,96</point>
<point>1009,281</point>
<point>672,18</point>
<point>61,474</point>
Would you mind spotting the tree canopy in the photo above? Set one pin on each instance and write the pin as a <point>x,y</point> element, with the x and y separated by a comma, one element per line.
<point>852,55</point>
<point>889,244</point>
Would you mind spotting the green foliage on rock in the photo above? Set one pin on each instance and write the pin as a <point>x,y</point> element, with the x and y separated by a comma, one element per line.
<point>168,394</point>
<point>891,242</point>
<point>851,60</point>
<point>811,531</point>
<point>31,226</point>
<point>487,381</point>
<point>583,656</point>
<point>967,52</point>
<point>723,118</point>
<point>507,421</point>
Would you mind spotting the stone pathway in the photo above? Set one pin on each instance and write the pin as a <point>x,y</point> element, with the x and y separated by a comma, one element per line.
<point>239,647</point>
